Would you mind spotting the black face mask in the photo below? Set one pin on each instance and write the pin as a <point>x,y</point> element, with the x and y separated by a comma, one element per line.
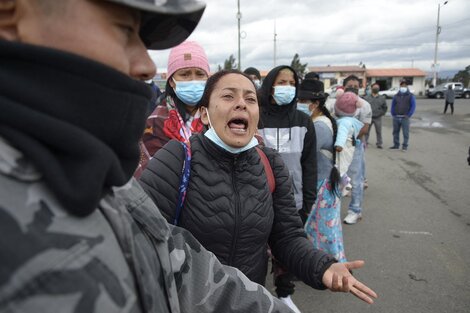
<point>352,89</point>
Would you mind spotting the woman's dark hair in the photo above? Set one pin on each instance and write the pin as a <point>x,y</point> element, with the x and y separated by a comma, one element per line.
<point>334,174</point>
<point>213,80</point>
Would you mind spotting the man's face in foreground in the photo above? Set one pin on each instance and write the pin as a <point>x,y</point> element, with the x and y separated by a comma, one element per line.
<point>97,30</point>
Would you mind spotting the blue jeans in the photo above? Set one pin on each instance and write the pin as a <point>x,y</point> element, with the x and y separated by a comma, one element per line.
<point>404,124</point>
<point>356,173</point>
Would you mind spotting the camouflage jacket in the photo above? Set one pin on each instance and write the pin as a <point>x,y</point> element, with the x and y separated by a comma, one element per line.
<point>123,257</point>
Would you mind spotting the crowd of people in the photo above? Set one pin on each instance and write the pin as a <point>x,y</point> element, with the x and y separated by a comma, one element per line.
<point>116,198</point>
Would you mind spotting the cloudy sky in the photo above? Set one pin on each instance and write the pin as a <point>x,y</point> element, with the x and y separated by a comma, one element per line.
<point>379,33</point>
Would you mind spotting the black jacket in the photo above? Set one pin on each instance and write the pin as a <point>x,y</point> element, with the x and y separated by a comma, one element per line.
<point>292,134</point>
<point>231,211</point>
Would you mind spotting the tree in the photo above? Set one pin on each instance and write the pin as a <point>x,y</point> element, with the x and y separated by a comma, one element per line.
<point>298,67</point>
<point>229,63</point>
<point>463,76</point>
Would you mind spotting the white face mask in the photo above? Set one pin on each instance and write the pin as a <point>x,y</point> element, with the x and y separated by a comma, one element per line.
<point>190,92</point>
<point>304,107</point>
<point>283,95</point>
<point>403,89</point>
<point>212,135</point>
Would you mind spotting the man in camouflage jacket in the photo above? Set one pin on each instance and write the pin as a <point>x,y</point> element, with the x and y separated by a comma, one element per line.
<point>77,234</point>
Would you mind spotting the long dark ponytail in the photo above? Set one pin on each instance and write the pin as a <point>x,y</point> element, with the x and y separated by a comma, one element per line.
<point>334,174</point>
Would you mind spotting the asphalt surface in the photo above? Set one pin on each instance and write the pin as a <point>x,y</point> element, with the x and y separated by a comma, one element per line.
<point>415,231</point>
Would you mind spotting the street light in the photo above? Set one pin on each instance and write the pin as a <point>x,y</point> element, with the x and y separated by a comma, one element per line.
<point>239,16</point>
<point>438,31</point>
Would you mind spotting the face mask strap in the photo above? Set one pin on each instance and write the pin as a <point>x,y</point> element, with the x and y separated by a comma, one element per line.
<point>208,117</point>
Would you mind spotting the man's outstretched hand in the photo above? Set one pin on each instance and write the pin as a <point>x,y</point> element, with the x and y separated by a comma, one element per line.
<point>338,278</point>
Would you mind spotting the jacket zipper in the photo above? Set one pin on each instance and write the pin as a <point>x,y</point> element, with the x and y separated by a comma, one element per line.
<point>277,138</point>
<point>237,215</point>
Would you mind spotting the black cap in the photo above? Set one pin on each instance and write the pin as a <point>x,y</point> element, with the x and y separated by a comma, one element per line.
<point>166,23</point>
<point>252,71</point>
<point>311,90</point>
<point>312,75</point>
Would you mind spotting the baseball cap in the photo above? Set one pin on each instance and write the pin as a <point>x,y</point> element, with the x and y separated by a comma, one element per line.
<point>166,23</point>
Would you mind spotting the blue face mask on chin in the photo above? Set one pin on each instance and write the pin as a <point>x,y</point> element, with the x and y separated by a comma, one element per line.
<point>212,135</point>
<point>283,95</point>
<point>190,92</point>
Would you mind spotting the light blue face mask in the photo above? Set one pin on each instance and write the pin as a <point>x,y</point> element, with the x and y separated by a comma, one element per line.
<point>190,92</point>
<point>283,95</point>
<point>257,83</point>
<point>212,135</point>
<point>403,89</point>
<point>304,107</point>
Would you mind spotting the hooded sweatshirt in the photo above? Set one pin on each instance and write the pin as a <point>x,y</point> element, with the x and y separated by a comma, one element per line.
<point>292,134</point>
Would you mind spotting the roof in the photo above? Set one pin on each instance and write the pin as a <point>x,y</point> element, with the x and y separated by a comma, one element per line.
<point>395,72</point>
<point>334,69</point>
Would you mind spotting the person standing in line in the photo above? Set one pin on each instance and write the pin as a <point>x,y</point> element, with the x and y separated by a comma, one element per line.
<point>323,226</point>
<point>78,232</point>
<point>402,109</point>
<point>176,115</point>
<point>255,76</point>
<point>312,76</point>
<point>291,133</point>
<point>228,205</point>
<point>349,128</point>
<point>358,165</point>
<point>450,98</point>
<point>379,107</point>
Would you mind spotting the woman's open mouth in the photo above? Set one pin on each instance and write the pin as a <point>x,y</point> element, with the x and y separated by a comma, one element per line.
<point>238,125</point>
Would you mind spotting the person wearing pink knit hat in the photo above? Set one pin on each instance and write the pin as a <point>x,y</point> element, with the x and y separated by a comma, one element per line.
<point>176,115</point>
<point>346,106</point>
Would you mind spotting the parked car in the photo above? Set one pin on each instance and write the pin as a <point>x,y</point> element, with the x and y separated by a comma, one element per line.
<point>440,90</point>
<point>466,93</point>
<point>389,93</point>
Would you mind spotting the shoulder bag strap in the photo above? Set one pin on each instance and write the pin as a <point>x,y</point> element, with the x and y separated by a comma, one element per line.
<point>184,181</point>
<point>268,170</point>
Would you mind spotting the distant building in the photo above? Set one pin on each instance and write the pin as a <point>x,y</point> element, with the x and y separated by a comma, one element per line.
<point>386,78</point>
<point>390,77</point>
<point>331,75</point>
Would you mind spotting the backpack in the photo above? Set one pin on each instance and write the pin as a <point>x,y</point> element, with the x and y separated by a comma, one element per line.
<point>185,171</point>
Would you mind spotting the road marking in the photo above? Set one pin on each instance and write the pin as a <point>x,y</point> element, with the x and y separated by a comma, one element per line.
<point>407,232</point>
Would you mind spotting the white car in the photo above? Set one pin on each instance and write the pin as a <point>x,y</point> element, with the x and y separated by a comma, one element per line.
<point>391,92</point>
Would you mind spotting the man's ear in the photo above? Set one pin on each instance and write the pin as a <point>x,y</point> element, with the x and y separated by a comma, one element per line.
<point>204,116</point>
<point>8,20</point>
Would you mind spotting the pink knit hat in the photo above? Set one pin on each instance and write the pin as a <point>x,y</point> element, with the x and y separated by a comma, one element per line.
<point>346,104</point>
<point>187,54</point>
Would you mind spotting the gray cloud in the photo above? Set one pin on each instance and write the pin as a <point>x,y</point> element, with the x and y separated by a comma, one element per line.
<point>393,33</point>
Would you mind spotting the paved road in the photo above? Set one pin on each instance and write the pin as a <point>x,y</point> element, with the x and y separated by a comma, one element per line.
<point>415,234</point>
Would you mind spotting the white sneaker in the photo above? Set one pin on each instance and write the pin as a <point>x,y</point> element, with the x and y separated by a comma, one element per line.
<point>352,218</point>
<point>288,301</point>
<point>366,184</point>
<point>346,190</point>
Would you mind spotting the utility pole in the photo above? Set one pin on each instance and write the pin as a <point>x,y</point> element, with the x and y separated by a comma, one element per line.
<point>438,31</point>
<point>239,17</point>
<point>275,35</point>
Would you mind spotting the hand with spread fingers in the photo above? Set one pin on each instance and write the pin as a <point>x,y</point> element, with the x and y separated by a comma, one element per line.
<point>338,278</point>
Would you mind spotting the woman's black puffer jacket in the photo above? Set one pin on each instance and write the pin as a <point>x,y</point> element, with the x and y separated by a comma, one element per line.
<point>231,211</point>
